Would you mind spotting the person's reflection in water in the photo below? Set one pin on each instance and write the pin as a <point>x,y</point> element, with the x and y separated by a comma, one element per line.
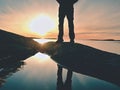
<point>68,82</point>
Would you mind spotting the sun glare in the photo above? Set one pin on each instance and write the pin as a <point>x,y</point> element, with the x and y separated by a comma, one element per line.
<point>42,41</point>
<point>42,24</point>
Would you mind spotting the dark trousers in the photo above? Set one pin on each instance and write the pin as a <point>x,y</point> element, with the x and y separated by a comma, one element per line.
<point>69,13</point>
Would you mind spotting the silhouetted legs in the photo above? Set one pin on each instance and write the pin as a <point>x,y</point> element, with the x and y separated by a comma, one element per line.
<point>71,25</point>
<point>59,78</point>
<point>69,13</point>
<point>67,85</point>
<point>61,24</point>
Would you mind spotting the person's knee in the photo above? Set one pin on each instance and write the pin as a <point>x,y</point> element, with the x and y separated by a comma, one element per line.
<point>70,20</point>
<point>71,24</point>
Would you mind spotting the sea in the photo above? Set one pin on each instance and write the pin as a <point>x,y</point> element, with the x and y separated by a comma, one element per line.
<point>39,72</point>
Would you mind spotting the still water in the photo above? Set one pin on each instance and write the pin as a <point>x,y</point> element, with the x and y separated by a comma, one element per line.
<point>39,72</point>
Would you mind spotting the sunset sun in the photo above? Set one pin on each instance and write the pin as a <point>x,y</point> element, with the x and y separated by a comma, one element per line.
<point>42,24</point>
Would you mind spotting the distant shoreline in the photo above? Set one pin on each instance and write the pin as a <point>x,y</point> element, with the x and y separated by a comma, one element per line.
<point>103,39</point>
<point>86,39</point>
<point>56,38</point>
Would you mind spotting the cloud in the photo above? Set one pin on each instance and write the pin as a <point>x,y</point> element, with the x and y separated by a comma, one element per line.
<point>98,15</point>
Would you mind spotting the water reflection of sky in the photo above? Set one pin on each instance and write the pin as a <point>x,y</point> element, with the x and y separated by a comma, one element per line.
<point>40,73</point>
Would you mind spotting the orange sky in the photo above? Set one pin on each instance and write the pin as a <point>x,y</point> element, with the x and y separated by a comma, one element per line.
<point>93,18</point>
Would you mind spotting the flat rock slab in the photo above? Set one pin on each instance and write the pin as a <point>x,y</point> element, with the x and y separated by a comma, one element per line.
<point>85,60</point>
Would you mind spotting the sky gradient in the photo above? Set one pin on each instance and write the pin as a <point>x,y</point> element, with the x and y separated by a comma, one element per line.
<point>93,18</point>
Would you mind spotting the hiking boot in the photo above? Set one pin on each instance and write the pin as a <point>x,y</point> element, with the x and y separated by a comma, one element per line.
<point>59,41</point>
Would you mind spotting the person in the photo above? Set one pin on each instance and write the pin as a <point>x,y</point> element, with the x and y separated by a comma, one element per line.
<point>66,9</point>
<point>68,82</point>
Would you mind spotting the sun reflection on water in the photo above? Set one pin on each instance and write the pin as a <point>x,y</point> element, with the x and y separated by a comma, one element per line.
<point>42,57</point>
<point>42,41</point>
